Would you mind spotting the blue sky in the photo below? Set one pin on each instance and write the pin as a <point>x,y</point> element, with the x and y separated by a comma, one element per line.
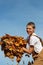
<point>15,14</point>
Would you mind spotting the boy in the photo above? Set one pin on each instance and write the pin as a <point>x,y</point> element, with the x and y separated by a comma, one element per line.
<point>35,44</point>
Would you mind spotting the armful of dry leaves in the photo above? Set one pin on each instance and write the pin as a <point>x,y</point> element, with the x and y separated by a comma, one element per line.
<point>12,46</point>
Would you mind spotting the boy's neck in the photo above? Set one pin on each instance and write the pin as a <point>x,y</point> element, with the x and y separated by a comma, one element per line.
<point>32,34</point>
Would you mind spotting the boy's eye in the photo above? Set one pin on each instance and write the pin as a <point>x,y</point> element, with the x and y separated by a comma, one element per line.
<point>28,28</point>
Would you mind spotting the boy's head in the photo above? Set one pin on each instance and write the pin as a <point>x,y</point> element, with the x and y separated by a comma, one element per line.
<point>30,28</point>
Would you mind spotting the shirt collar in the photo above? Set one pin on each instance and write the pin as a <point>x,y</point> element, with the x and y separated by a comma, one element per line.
<point>33,34</point>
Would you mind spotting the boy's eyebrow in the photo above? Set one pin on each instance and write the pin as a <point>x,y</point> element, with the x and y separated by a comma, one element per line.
<point>28,28</point>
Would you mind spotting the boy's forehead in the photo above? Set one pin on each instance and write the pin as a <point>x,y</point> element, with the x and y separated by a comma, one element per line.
<point>29,26</point>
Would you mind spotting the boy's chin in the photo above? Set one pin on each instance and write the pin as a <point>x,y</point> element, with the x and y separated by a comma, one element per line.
<point>30,34</point>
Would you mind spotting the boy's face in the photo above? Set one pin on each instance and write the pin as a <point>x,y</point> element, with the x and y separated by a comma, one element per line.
<point>30,29</point>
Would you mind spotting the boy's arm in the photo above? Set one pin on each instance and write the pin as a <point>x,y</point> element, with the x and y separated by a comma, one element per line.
<point>29,51</point>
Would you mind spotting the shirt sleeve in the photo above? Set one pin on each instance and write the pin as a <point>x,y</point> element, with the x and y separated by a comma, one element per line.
<point>33,40</point>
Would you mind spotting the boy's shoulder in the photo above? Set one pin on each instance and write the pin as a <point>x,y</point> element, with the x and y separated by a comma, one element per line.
<point>34,37</point>
<point>37,38</point>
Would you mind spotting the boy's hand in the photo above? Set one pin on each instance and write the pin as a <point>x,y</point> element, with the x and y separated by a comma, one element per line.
<point>23,49</point>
